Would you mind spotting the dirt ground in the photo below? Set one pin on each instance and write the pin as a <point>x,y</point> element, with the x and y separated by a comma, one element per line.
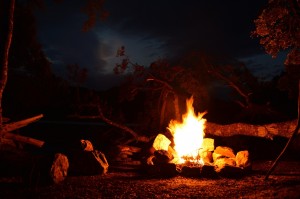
<point>284,183</point>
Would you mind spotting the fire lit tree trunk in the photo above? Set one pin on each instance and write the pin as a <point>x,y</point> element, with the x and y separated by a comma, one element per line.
<point>282,129</point>
<point>5,55</point>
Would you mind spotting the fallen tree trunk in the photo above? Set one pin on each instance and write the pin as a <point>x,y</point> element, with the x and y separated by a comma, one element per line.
<point>24,139</point>
<point>7,128</point>
<point>282,129</point>
<point>19,124</point>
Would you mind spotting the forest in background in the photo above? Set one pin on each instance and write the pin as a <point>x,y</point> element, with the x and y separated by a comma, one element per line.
<point>221,85</point>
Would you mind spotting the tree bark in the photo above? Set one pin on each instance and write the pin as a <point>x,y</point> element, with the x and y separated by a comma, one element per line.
<point>282,129</point>
<point>4,68</point>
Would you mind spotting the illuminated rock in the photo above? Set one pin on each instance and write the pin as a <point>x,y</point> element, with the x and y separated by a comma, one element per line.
<point>208,144</point>
<point>161,142</point>
<point>222,151</point>
<point>242,159</point>
<point>222,162</point>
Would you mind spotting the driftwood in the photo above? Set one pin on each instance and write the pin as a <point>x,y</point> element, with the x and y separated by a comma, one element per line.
<point>282,129</point>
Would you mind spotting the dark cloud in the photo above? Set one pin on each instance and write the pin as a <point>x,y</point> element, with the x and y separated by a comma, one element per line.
<point>191,25</point>
<point>60,32</point>
<point>148,29</point>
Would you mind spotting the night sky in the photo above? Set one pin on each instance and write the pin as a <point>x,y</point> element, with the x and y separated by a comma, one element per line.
<point>150,30</point>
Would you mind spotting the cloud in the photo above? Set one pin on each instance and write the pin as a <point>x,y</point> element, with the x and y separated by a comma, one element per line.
<point>264,66</point>
<point>148,29</point>
<point>190,25</point>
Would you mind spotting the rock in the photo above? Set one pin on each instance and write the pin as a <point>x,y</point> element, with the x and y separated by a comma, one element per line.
<point>242,159</point>
<point>88,163</point>
<point>59,168</point>
<point>191,171</point>
<point>208,144</point>
<point>208,171</point>
<point>86,145</point>
<point>150,160</point>
<point>162,157</point>
<point>207,156</point>
<point>220,163</point>
<point>161,142</point>
<point>222,151</point>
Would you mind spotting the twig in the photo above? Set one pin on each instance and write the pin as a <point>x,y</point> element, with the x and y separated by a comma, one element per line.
<point>125,128</point>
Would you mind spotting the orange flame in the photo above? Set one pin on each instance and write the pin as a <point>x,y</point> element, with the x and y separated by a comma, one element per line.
<point>188,135</point>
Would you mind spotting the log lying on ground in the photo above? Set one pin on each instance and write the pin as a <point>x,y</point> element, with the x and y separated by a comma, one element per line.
<point>282,129</point>
<point>6,128</point>
<point>19,124</point>
<point>24,139</point>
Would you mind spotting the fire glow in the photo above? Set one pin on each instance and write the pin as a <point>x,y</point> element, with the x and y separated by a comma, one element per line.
<point>188,135</point>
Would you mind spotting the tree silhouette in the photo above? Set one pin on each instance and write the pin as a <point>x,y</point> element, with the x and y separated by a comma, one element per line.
<point>7,8</point>
<point>77,76</point>
<point>93,9</point>
<point>278,28</point>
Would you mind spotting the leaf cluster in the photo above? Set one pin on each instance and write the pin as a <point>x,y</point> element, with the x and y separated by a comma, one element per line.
<point>278,26</point>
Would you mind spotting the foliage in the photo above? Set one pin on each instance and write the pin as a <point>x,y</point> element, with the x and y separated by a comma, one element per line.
<point>94,9</point>
<point>278,27</point>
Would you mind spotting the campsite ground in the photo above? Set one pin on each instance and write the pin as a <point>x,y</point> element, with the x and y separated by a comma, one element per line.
<point>117,183</point>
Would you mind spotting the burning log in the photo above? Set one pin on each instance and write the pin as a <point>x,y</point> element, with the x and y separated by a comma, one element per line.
<point>282,129</point>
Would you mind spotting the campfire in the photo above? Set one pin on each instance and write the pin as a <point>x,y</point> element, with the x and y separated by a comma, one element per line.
<point>192,151</point>
<point>188,136</point>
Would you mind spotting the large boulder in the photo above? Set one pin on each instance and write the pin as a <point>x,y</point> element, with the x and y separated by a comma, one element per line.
<point>88,163</point>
